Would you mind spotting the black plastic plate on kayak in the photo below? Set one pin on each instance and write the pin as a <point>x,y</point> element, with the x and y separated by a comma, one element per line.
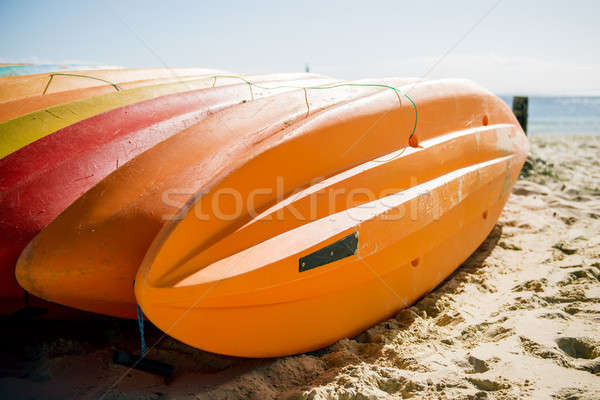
<point>343,248</point>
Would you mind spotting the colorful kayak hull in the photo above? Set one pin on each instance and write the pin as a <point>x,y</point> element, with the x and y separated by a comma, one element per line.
<point>18,87</point>
<point>16,108</point>
<point>40,180</point>
<point>311,268</point>
<point>88,256</point>
<point>21,131</point>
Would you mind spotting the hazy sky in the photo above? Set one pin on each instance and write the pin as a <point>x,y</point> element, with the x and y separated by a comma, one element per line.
<point>529,47</point>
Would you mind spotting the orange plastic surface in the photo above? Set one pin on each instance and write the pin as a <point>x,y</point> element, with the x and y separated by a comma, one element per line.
<point>236,287</point>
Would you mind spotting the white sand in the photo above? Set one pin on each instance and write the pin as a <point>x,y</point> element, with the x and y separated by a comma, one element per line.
<point>520,319</point>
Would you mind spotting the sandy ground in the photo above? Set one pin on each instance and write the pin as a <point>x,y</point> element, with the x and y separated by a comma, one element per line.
<point>519,319</point>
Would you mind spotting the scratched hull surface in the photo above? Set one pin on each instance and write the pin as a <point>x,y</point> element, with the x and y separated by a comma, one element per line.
<point>310,268</point>
<point>88,256</point>
<point>40,180</point>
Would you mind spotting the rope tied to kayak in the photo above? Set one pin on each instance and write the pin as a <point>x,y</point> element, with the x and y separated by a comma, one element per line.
<point>140,320</point>
<point>250,84</point>
<point>117,88</point>
<point>411,139</point>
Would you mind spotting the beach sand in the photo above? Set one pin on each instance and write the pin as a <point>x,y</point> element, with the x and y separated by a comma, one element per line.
<point>519,319</point>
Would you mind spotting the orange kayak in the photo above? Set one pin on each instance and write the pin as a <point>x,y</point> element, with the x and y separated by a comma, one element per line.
<point>88,256</point>
<point>319,232</point>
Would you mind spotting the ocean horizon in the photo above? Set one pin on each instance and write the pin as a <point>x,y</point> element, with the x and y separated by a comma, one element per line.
<point>562,115</point>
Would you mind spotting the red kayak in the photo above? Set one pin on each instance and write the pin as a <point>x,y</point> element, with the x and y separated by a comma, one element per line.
<point>40,180</point>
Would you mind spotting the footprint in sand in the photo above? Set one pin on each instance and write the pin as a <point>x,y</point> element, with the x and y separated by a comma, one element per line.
<point>540,351</point>
<point>579,347</point>
<point>584,350</point>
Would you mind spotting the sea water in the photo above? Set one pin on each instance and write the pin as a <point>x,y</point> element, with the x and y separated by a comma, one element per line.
<point>569,115</point>
<point>28,69</point>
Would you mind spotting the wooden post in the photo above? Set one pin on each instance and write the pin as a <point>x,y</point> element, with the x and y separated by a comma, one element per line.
<point>520,106</point>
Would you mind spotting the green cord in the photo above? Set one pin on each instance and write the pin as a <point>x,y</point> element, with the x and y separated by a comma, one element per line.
<point>80,76</point>
<point>250,84</point>
<point>305,88</point>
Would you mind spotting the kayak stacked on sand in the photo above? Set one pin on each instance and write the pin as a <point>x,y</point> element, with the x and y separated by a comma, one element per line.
<point>255,215</point>
<point>52,156</point>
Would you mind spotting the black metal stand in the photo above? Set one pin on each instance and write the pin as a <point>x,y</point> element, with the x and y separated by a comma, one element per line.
<point>143,364</point>
<point>29,312</point>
